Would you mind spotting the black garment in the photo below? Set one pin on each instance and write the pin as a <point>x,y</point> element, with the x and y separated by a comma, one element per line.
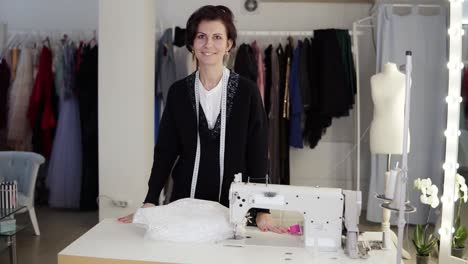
<point>87,86</point>
<point>267,63</point>
<point>283,123</point>
<point>344,41</point>
<point>4,85</point>
<point>245,149</point>
<point>4,91</point>
<point>179,36</point>
<point>316,123</point>
<point>335,92</point>
<point>332,79</point>
<point>304,83</point>
<point>246,64</point>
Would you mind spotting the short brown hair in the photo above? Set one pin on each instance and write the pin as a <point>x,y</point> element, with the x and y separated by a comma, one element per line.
<point>210,13</point>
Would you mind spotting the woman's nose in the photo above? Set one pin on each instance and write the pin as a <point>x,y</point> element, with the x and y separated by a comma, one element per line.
<point>209,42</point>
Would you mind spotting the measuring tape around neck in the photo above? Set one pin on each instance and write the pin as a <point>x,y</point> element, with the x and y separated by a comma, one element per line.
<point>222,137</point>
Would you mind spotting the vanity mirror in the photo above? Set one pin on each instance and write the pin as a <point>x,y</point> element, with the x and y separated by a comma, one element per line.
<point>453,224</point>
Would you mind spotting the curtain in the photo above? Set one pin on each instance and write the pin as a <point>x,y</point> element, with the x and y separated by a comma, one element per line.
<point>426,36</point>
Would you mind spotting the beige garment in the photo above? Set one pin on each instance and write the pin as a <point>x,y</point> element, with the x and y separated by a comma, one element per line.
<point>14,62</point>
<point>19,134</point>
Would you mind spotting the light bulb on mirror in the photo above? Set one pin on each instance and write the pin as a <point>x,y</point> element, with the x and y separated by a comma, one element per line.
<point>453,99</point>
<point>452,133</point>
<point>455,65</point>
<point>450,166</point>
<point>454,32</point>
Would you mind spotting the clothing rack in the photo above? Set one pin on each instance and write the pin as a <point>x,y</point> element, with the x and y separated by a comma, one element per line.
<point>310,33</point>
<point>360,24</point>
<point>54,35</point>
<point>274,33</point>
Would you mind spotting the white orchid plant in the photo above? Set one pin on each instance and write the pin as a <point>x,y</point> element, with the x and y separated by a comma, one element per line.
<point>428,192</point>
<point>423,242</point>
<point>461,234</point>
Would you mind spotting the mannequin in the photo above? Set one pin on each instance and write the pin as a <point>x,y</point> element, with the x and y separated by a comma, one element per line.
<point>386,131</point>
<point>388,96</point>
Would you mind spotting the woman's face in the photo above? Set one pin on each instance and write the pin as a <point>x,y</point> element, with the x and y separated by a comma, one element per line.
<point>211,43</point>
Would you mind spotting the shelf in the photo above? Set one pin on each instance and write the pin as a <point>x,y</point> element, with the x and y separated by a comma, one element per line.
<point>14,232</point>
<point>382,197</point>
<point>408,208</point>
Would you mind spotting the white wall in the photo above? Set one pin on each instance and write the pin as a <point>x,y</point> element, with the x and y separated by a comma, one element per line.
<point>271,16</point>
<point>126,102</point>
<point>50,14</point>
<point>308,166</point>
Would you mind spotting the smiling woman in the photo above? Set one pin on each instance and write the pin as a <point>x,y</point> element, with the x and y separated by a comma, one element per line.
<point>210,45</point>
<point>226,136</point>
<point>211,34</point>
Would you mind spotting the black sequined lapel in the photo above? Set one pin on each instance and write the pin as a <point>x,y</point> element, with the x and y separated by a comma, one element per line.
<point>233,83</point>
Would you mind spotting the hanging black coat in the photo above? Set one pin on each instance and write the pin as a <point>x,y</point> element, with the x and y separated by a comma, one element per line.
<point>246,64</point>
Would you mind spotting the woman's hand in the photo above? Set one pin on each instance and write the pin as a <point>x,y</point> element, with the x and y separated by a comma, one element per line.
<point>266,223</point>
<point>129,218</point>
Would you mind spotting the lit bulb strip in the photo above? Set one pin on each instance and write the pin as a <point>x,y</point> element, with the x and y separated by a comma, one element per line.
<point>452,132</point>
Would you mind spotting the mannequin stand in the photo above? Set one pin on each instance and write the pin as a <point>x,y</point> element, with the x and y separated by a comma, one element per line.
<point>388,236</point>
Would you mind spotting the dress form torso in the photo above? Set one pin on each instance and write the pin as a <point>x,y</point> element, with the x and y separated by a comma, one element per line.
<point>388,96</point>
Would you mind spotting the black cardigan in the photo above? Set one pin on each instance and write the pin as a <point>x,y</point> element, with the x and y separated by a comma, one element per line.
<point>246,144</point>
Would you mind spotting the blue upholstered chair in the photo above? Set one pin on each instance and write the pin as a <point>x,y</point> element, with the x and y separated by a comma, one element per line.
<point>22,167</point>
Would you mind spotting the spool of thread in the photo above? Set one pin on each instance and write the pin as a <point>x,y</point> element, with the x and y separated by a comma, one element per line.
<point>390,182</point>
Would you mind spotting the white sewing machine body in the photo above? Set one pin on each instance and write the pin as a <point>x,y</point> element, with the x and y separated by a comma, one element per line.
<point>322,208</point>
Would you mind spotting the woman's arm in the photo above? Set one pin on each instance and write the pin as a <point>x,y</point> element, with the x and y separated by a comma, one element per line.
<point>166,150</point>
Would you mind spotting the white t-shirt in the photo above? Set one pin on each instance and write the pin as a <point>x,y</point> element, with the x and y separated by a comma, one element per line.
<point>211,101</point>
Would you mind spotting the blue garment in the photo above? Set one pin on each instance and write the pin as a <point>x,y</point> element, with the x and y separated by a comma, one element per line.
<point>65,167</point>
<point>165,74</point>
<point>295,113</point>
<point>165,65</point>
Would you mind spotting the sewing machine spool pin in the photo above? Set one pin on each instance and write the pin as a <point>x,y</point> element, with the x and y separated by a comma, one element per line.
<point>267,179</point>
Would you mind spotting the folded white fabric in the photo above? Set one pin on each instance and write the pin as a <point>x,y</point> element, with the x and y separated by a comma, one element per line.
<point>186,220</point>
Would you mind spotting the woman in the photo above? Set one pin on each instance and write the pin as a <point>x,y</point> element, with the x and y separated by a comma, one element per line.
<point>230,133</point>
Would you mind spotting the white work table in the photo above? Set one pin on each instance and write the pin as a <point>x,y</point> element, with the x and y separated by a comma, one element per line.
<point>111,242</point>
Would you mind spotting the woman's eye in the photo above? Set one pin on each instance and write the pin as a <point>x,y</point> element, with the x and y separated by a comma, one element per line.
<point>201,36</point>
<point>218,37</point>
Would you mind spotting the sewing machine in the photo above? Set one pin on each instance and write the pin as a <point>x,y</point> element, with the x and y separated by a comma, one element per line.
<point>322,209</point>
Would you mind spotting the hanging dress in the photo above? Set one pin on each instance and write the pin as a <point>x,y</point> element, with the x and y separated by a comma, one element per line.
<point>64,174</point>
<point>19,135</point>
<point>41,114</point>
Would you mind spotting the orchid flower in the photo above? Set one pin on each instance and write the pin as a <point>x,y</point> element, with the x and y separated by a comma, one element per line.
<point>461,188</point>
<point>428,192</point>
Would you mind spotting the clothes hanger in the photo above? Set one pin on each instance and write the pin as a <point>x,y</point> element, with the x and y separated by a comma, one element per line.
<point>93,42</point>
<point>46,42</point>
<point>19,40</point>
<point>64,40</point>
<point>12,41</point>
